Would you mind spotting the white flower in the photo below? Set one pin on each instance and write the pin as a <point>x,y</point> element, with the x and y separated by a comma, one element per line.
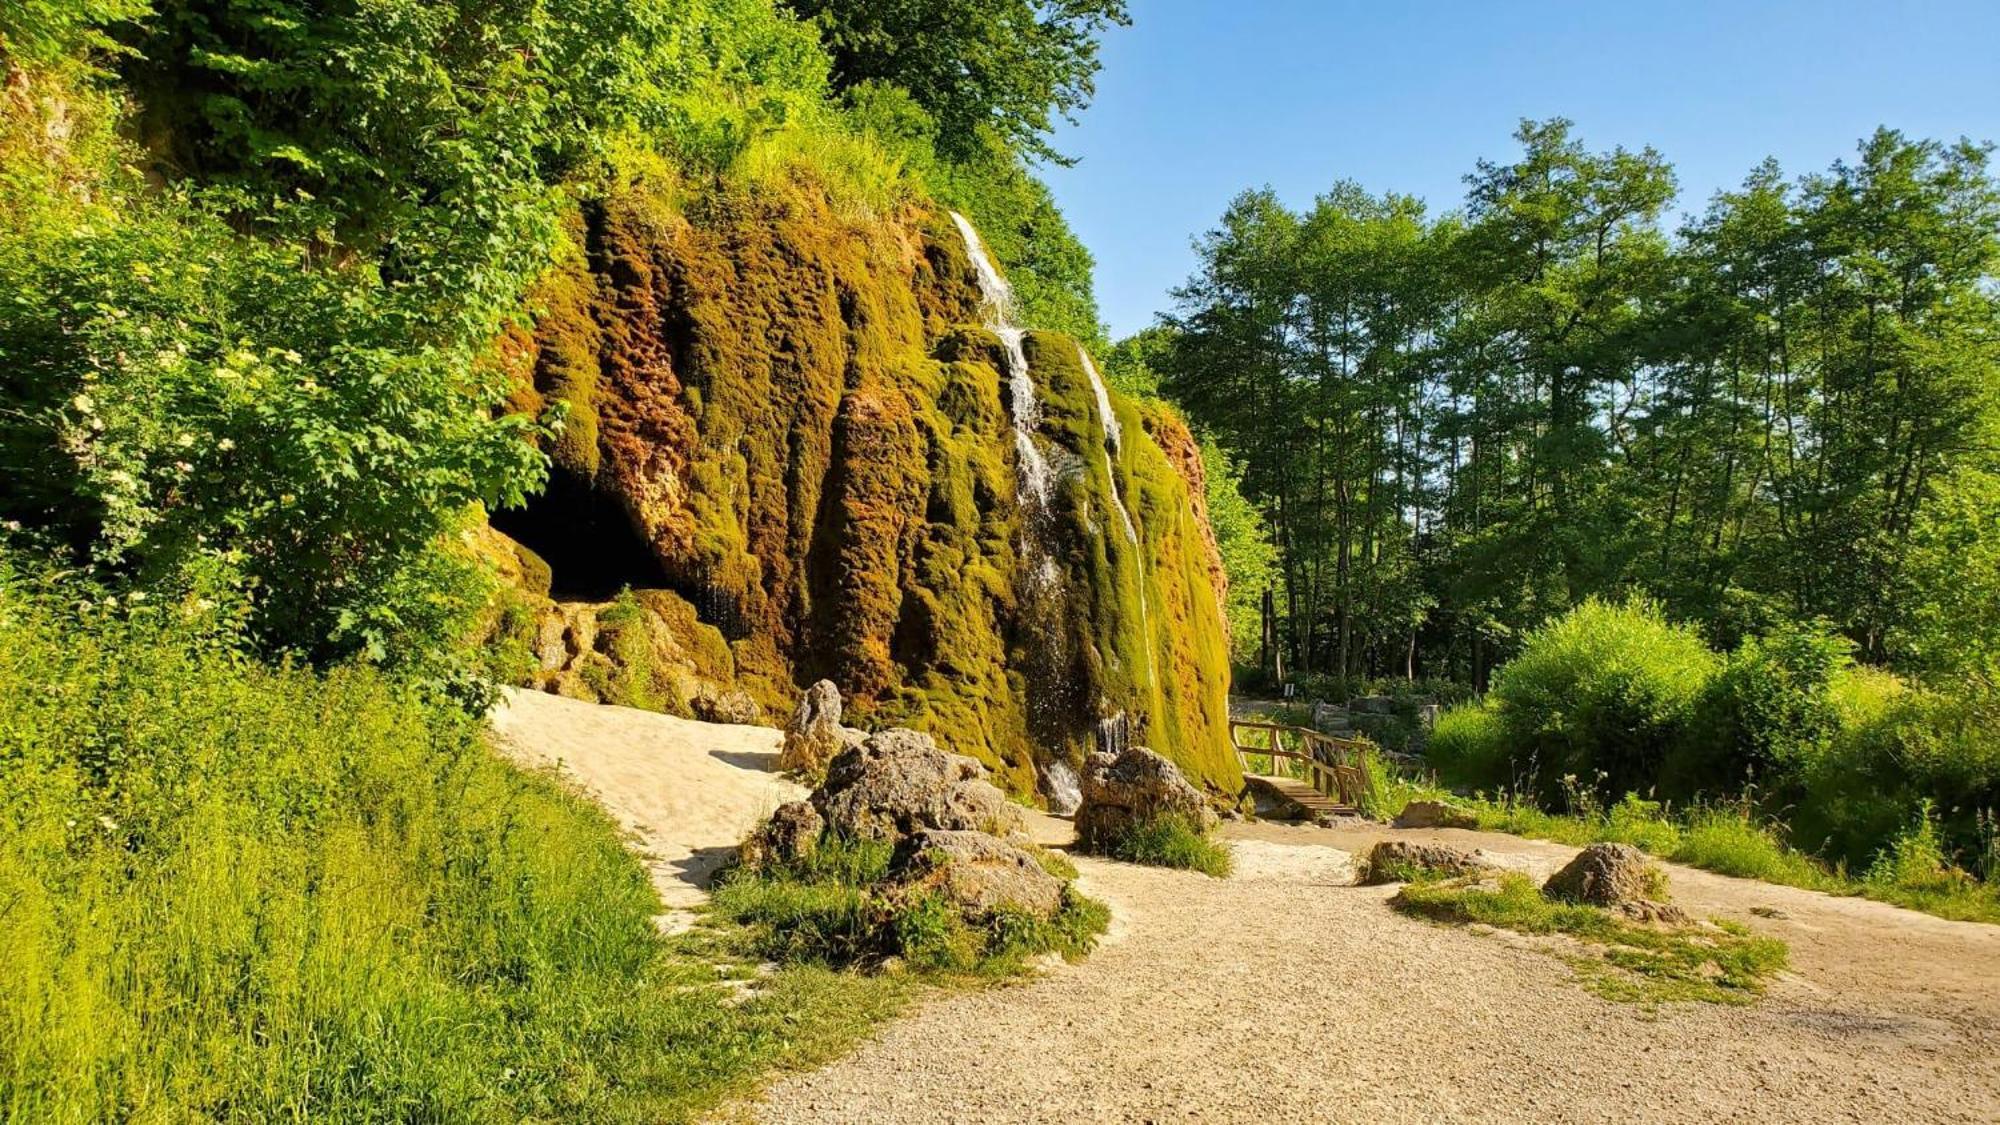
<point>226,444</point>
<point>83,404</point>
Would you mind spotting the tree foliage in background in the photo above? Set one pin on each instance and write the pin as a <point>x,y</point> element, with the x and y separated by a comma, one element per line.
<point>1460,427</point>
<point>999,70</point>
<point>257,254</point>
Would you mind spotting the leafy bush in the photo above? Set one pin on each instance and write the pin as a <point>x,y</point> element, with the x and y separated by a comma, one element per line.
<point>1602,692</point>
<point>1766,715</point>
<point>1171,841</point>
<point>1469,746</point>
<point>260,893</point>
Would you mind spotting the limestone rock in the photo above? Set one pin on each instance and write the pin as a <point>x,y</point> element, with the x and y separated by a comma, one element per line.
<point>1134,785</point>
<point>1434,814</point>
<point>897,782</point>
<point>815,735</point>
<point>791,834</point>
<point>1607,875</point>
<point>713,705</point>
<point>978,873</point>
<point>1392,861</point>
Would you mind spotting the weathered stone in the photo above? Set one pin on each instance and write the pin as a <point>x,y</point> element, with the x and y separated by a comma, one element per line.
<point>1373,705</point>
<point>1393,861</point>
<point>897,782</point>
<point>791,834</point>
<point>1434,814</point>
<point>711,705</point>
<point>976,872</point>
<point>1607,875</point>
<point>815,735</point>
<point>1131,787</point>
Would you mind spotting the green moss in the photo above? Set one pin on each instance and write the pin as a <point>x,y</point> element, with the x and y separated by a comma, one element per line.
<point>789,400</point>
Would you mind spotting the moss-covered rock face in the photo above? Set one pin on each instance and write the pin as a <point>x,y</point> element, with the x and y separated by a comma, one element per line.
<point>791,418</point>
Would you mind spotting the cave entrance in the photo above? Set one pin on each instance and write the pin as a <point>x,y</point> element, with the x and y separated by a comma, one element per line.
<point>586,537</point>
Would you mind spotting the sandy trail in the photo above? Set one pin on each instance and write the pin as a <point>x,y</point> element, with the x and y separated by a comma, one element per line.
<point>1285,994</point>
<point>687,791</point>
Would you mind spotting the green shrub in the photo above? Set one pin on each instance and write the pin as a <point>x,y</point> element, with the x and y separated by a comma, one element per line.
<point>1602,692</point>
<point>1469,747</point>
<point>1170,841</point>
<point>1767,715</point>
<point>252,893</point>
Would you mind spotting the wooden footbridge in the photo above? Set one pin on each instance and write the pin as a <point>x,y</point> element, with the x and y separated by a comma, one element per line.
<point>1320,773</point>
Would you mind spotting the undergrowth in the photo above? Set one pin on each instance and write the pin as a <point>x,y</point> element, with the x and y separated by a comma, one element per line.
<point>829,909</point>
<point>245,893</point>
<point>1171,841</point>
<point>1623,960</point>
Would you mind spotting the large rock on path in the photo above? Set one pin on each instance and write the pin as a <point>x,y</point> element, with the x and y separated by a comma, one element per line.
<point>1434,814</point>
<point>1394,861</point>
<point>897,782</point>
<point>1608,875</point>
<point>978,873</point>
<point>1132,787</point>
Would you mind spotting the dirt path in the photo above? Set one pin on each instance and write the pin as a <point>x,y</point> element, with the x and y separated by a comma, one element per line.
<point>687,791</point>
<point>1285,994</point>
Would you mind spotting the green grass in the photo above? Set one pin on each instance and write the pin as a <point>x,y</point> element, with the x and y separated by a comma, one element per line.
<point>243,893</point>
<point>830,910</point>
<point>1171,841</point>
<point>1729,841</point>
<point>1639,964</point>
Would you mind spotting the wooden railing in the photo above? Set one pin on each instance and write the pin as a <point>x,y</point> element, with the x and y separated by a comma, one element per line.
<point>1335,767</point>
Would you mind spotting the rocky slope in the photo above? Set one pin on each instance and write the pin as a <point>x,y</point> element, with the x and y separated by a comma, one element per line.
<point>814,446</point>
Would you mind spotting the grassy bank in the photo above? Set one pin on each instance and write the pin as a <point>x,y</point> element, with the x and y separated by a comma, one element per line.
<point>238,892</point>
<point>1912,871</point>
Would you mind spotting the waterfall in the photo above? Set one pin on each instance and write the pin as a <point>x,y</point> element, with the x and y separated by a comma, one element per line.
<point>1116,435</point>
<point>997,303</point>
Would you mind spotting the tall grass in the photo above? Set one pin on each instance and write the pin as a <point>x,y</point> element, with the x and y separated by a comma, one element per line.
<point>238,892</point>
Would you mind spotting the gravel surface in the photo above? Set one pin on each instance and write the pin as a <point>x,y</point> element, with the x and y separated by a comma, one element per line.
<point>1286,994</point>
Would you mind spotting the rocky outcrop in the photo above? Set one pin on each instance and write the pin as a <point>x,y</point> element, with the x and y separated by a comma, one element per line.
<point>1434,814</point>
<point>795,420</point>
<point>1132,787</point>
<point>815,735</point>
<point>898,782</point>
<point>1608,875</point>
<point>1397,861</point>
<point>979,873</point>
<point>791,834</point>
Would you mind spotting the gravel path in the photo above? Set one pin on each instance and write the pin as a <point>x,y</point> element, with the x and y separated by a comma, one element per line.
<point>1285,994</point>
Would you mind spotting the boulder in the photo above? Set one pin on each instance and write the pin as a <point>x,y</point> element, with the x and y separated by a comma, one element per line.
<point>1372,705</point>
<point>976,872</point>
<point>791,834</point>
<point>897,782</point>
<point>1393,861</point>
<point>1434,814</point>
<point>815,735</point>
<point>1647,912</point>
<point>1607,875</point>
<point>713,705</point>
<point>1132,786</point>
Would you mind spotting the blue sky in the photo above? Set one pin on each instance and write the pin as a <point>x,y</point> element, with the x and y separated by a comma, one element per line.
<point>1203,98</point>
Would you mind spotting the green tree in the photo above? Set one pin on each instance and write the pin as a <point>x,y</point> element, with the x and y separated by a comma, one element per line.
<point>1004,68</point>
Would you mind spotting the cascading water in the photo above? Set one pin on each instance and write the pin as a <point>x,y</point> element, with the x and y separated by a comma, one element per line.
<point>1115,433</point>
<point>997,301</point>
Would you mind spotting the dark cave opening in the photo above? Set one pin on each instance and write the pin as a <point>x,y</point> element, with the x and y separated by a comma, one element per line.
<point>587,539</point>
